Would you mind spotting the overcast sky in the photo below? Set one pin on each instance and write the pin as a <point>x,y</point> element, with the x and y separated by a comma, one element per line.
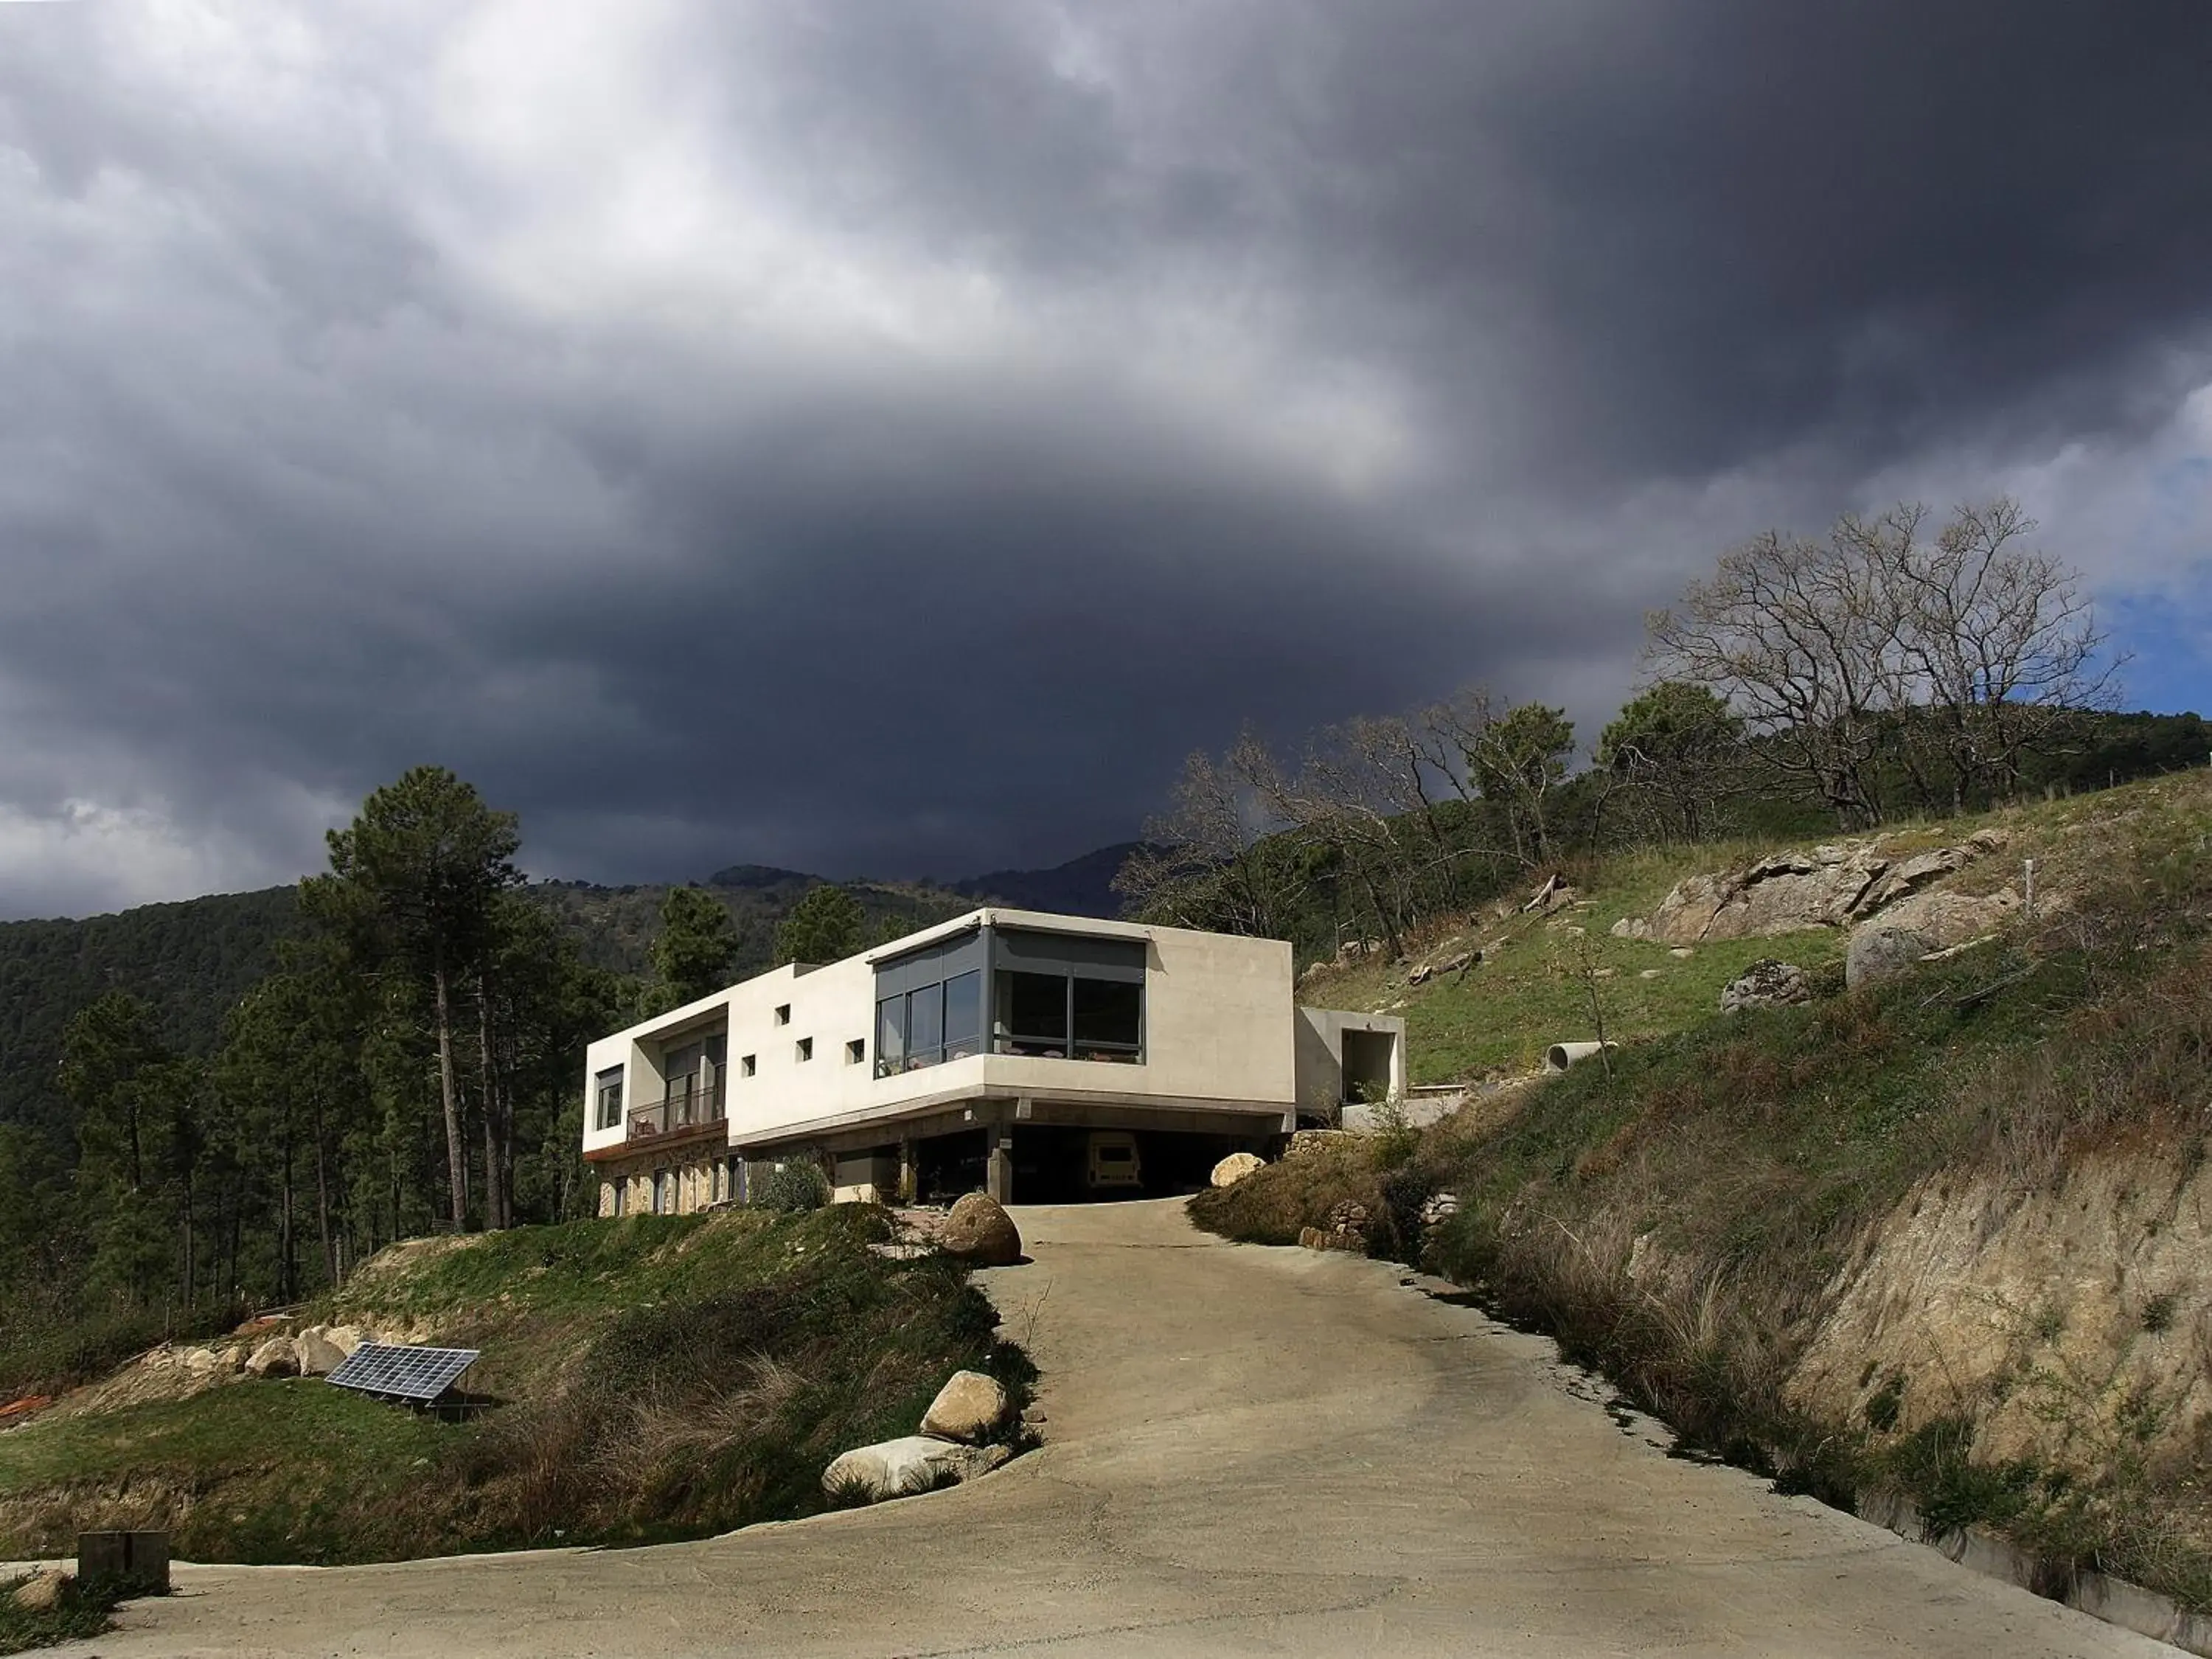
<point>885,436</point>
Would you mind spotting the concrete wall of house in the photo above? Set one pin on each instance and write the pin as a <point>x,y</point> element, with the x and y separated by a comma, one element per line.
<point>1220,1025</point>
<point>1320,1050</point>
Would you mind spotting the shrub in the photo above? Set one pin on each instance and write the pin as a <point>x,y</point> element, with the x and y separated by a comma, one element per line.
<point>794,1187</point>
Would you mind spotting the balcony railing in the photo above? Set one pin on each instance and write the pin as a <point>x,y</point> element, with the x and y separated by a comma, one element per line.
<point>680,1112</point>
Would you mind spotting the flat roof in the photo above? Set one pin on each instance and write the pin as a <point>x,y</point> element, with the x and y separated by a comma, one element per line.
<point>997,917</point>
<point>987,916</point>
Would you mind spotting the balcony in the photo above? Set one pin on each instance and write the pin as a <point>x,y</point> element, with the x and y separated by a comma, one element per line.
<point>684,1114</point>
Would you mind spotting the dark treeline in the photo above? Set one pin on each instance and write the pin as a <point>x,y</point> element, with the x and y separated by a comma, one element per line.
<point>407,1064</point>
<point>1808,685</point>
<point>294,1079</point>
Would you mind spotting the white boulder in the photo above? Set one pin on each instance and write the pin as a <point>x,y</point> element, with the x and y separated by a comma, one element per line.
<point>1235,1167</point>
<point>900,1469</point>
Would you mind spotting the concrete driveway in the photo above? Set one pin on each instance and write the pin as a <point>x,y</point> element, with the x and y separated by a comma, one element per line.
<point>1248,1451</point>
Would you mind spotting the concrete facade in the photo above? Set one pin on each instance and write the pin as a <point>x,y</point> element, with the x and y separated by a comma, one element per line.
<point>786,1064</point>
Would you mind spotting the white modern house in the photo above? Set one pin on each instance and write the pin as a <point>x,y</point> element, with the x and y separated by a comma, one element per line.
<point>1033,1056</point>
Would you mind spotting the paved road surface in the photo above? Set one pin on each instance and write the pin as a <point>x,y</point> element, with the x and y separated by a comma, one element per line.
<point>1250,1451</point>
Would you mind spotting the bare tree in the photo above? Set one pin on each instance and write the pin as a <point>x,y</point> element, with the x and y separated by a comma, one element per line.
<point>1949,661</point>
<point>1346,796</point>
<point>1207,862</point>
<point>2001,643</point>
<point>1801,638</point>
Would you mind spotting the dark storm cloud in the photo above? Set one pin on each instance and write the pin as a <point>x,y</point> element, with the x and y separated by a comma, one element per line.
<point>887,438</point>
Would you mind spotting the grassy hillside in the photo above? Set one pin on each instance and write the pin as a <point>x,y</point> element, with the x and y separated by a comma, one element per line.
<point>655,1377</point>
<point>1935,1238</point>
<point>1530,991</point>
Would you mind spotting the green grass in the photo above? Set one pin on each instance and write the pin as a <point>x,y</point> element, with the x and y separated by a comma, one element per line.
<point>81,1614</point>
<point>648,1378</point>
<point>1529,991</point>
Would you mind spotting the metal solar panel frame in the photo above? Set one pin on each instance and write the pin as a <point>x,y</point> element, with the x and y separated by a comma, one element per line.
<point>390,1370</point>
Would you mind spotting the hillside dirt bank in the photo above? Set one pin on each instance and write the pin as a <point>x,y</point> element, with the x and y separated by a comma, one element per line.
<point>1248,1450</point>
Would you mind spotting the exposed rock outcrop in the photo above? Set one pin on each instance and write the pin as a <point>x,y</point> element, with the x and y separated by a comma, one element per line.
<point>1833,885</point>
<point>1953,918</point>
<point>2062,1321</point>
<point>1785,893</point>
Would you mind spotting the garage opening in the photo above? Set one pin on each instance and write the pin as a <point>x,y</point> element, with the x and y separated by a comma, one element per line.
<point>1368,1062</point>
<point>948,1166</point>
<point>1067,1163</point>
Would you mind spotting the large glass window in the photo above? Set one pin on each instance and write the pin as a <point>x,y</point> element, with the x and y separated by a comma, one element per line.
<point>1053,996</point>
<point>694,1075</point>
<point>930,1024</point>
<point>1069,1017</point>
<point>607,1093</point>
<point>1033,1007</point>
<point>1109,1018</point>
<point>963,1015</point>
<point>925,1026</point>
<point>891,1036</point>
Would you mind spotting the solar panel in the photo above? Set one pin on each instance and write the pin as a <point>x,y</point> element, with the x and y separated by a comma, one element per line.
<point>390,1372</point>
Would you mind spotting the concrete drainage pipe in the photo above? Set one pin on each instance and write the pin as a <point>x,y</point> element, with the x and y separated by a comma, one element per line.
<point>1560,1055</point>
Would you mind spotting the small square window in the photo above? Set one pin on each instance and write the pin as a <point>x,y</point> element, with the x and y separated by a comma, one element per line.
<point>856,1051</point>
<point>748,1064</point>
<point>783,1013</point>
<point>806,1047</point>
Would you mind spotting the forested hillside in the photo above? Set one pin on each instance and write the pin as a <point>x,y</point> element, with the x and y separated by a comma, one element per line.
<point>192,962</point>
<point>189,962</point>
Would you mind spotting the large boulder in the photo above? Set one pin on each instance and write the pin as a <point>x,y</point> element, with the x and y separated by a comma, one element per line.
<point>41,1592</point>
<point>1767,984</point>
<point>1235,1167</point>
<point>978,1230</point>
<point>316,1354</point>
<point>1950,918</point>
<point>275,1358</point>
<point>970,1407</point>
<point>346,1338</point>
<point>1879,952</point>
<point>900,1469</point>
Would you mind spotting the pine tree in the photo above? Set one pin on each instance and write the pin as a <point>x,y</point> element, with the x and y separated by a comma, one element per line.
<point>698,940</point>
<point>412,884</point>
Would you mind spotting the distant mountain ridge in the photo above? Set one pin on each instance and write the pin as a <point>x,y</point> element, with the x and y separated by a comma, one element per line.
<point>1081,887</point>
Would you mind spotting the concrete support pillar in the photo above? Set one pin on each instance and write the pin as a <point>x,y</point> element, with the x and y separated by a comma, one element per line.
<point>999,1167</point>
<point>909,1176</point>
